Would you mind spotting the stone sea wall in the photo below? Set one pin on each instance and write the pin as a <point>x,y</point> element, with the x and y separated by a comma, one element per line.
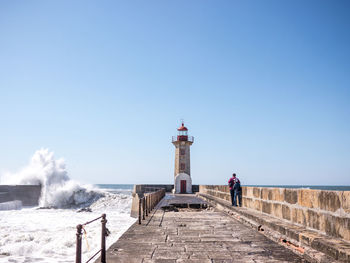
<point>28,194</point>
<point>324,211</point>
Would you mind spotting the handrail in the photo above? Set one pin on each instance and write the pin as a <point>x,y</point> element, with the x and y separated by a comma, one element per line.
<point>175,139</point>
<point>104,233</point>
<point>148,202</point>
<point>91,221</point>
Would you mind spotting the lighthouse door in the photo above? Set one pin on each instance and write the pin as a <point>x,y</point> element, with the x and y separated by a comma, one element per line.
<point>183,186</point>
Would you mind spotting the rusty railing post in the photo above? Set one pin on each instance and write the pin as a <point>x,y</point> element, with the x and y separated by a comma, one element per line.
<point>151,202</point>
<point>140,211</point>
<point>103,239</point>
<point>78,246</point>
<point>143,208</point>
<point>146,204</point>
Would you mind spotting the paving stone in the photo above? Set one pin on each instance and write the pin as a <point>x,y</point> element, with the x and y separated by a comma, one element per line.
<point>195,237</point>
<point>170,254</point>
<point>159,261</point>
<point>202,260</point>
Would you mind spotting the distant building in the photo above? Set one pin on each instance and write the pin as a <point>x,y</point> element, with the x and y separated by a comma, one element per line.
<point>182,173</point>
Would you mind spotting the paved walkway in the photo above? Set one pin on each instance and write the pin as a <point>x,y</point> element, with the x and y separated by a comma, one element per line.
<point>196,236</point>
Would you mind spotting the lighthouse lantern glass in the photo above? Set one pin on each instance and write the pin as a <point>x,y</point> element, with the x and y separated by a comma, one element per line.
<point>183,133</point>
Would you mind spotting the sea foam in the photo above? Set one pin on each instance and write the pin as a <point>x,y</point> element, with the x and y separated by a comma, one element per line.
<point>58,190</point>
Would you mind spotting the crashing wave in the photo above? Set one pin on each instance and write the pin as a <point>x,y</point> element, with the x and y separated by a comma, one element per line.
<point>57,189</point>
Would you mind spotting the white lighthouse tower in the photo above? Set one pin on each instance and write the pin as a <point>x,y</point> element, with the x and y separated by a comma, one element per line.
<point>182,173</point>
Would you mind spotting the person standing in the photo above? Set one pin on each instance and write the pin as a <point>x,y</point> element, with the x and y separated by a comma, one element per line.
<point>235,190</point>
<point>231,183</point>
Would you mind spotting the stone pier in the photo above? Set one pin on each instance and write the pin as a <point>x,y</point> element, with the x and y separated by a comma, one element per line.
<point>183,228</point>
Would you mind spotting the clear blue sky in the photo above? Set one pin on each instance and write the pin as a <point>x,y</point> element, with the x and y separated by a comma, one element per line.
<point>263,86</point>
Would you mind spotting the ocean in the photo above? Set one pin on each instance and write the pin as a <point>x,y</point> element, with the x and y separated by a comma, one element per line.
<point>49,235</point>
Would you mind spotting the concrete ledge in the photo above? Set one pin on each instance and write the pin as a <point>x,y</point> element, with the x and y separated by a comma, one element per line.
<point>315,246</point>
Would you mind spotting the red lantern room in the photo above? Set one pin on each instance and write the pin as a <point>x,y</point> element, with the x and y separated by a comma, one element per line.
<point>182,133</point>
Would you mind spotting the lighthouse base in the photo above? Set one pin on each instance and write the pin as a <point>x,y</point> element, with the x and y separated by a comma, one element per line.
<point>183,184</point>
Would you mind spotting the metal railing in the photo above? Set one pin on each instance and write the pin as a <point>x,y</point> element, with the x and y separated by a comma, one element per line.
<point>175,138</point>
<point>148,202</point>
<point>104,233</point>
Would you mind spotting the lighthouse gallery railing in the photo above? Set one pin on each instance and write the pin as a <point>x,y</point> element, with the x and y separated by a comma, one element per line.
<point>189,139</point>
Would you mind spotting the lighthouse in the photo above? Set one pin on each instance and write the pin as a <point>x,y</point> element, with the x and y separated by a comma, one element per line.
<point>182,173</point>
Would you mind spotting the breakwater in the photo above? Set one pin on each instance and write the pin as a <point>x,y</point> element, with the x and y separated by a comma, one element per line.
<point>29,195</point>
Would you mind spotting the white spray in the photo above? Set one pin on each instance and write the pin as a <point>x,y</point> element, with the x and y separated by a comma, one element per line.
<point>57,189</point>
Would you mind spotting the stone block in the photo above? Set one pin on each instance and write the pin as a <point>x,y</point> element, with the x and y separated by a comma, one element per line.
<point>244,202</point>
<point>257,205</point>
<point>247,202</point>
<point>329,200</point>
<point>331,225</point>
<point>293,232</point>
<point>244,191</point>
<point>308,198</point>
<point>298,216</point>
<point>322,221</point>
<point>343,227</point>
<point>277,210</point>
<point>265,193</point>
<point>252,203</point>
<point>291,196</point>
<point>257,192</point>
<point>249,191</point>
<point>313,219</point>
<point>286,214</point>
<point>322,245</point>
<point>306,237</point>
<point>272,194</point>
<point>345,201</point>
<point>266,207</point>
<point>277,194</point>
